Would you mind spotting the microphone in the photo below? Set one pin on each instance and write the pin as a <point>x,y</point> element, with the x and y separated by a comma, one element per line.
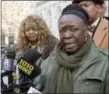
<point>28,68</point>
<point>27,63</point>
<point>7,68</point>
<point>7,63</point>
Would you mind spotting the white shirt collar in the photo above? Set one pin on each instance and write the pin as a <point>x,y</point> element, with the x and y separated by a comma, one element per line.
<point>95,22</point>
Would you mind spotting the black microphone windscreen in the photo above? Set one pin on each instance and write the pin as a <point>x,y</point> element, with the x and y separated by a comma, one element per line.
<point>35,72</point>
<point>31,56</point>
<point>27,64</point>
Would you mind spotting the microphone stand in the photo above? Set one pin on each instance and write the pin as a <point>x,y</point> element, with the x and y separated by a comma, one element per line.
<point>16,77</point>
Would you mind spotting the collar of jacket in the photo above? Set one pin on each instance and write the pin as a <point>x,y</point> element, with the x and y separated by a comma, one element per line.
<point>92,57</point>
<point>95,22</point>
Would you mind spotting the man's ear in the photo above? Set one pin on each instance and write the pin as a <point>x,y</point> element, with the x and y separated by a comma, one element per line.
<point>103,9</point>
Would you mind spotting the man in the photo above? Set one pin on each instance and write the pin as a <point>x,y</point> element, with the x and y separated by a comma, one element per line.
<point>95,9</point>
<point>76,65</point>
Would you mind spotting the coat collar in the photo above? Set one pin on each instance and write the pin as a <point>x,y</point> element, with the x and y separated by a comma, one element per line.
<point>92,57</point>
<point>95,22</point>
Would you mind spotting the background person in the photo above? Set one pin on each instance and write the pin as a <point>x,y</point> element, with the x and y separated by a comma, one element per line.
<point>34,32</point>
<point>98,23</point>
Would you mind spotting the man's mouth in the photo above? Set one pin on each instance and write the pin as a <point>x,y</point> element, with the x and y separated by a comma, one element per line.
<point>69,46</point>
<point>69,41</point>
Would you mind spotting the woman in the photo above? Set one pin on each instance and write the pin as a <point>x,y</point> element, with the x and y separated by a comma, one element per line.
<point>34,32</point>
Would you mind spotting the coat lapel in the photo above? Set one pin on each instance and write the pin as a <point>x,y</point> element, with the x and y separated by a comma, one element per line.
<point>101,32</point>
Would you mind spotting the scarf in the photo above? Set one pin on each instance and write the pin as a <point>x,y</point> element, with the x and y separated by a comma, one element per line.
<point>60,80</point>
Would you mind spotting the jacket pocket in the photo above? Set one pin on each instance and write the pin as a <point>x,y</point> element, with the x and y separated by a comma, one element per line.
<point>91,85</point>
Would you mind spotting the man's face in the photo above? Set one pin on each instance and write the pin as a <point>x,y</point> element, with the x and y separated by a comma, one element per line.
<point>92,9</point>
<point>72,32</point>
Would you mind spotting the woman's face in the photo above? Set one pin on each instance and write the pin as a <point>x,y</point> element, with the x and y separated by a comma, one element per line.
<point>31,32</point>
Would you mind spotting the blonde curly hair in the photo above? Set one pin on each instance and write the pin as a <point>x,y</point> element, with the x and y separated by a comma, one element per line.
<point>34,22</point>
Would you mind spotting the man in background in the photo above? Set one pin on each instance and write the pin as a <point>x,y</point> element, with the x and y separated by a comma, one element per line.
<point>98,24</point>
